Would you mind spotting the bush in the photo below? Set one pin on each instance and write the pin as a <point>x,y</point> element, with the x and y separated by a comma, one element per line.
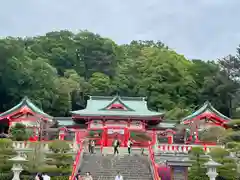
<point>20,132</point>
<point>59,156</point>
<point>32,177</point>
<point>59,146</point>
<point>232,145</point>
<point>219,153</point>
<point>6,153</point>
<point>6,176</point>
<point>35,157</point>
<point>54,170</point>
<point>60,178</point>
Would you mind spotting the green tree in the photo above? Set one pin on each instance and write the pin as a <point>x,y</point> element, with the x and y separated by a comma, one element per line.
<point>228,168</point>
<point>100,84</point>
<point>197,171</point>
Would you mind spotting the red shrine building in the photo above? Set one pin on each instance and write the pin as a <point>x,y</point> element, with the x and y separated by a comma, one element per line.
<point>205,117</point>
<point>106,118</point>
<point>117,117</point>
<point>28,114</point>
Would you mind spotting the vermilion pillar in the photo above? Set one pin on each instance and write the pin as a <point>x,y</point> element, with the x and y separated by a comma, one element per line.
<point>170,139</point>
<point>126,135</point>
<point>61,134</point>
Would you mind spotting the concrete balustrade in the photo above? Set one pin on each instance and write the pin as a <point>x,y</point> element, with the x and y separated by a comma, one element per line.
<point>160,148</point>
<point>24,145</point>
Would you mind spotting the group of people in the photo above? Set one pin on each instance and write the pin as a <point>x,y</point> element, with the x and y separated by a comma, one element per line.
<point>42,176</point>
<point>116,145</point>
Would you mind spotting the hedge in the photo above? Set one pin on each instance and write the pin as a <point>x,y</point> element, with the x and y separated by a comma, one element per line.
<point>25,177</point>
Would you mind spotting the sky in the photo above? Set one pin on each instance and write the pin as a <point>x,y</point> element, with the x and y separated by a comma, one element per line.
<point>199,29</point>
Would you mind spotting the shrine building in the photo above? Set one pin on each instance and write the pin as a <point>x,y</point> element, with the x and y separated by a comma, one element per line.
<point>106,118</point>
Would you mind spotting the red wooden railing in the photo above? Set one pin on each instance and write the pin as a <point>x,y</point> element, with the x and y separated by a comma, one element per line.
<point>153,164</point>
<point>77,161</point>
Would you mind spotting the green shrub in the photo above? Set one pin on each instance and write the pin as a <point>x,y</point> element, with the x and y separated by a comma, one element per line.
<point>60,178</point>
<point>59,156</point>
<point>27,177</point>
<point>19,132</point>
<point>218,153</point>
<point>232,145</point>
<point>59,146</point>
<point>6,176</point>
<point>54,169</point>
<point>6,152</point>
<point>35,157</point>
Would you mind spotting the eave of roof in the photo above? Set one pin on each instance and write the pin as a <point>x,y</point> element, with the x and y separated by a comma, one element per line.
<point>28,103</point>
<point>136,107</point>
<point>206,107</point>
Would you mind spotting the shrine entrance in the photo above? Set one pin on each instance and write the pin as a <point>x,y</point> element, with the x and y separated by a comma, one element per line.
<point>112,133</point>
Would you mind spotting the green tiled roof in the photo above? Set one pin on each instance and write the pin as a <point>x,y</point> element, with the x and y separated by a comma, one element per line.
<point>28,103</point>
<point>207,107</point>
<point>164,125</point>
<point>135,107</point>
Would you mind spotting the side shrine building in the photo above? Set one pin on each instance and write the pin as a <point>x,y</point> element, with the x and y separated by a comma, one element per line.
<point>106,118</point>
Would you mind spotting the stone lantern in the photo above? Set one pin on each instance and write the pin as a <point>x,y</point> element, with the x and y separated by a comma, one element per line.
<point>212,169</point>
<point>17,166</point>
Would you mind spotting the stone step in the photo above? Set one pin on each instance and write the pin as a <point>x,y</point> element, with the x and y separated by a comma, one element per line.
<point>105,167</point>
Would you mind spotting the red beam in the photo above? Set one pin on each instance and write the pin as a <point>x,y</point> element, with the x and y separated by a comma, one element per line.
<point>115,117</point>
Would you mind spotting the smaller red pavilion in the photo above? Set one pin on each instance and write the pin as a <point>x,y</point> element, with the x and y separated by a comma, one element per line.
<point>205,117</point>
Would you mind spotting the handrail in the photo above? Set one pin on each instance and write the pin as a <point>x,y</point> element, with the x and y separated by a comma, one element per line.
<point>153,164</point>
<point>77,161</point>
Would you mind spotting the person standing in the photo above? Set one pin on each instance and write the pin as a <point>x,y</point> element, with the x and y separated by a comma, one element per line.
<point>39,176</point>
<point>89,146</point>
<point>78,177</point>
<point>92,146</point>
<point>118,176</point>
<point>88,176</point>
<point>116,144</point>
<point>129,145</point>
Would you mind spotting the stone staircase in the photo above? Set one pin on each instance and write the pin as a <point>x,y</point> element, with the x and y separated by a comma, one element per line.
<point>133,167</point>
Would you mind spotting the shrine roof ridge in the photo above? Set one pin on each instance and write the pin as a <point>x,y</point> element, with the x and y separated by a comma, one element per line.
<point>121,97</point>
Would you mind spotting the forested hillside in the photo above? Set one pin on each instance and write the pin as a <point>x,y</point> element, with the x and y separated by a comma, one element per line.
<point>58,70</point>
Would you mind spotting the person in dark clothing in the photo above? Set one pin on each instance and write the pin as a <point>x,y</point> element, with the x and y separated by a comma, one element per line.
<point>89,146</point>
<point>129,145</point>
<point>39,176</point>
<point>116,144</point>
<point>78,177</point>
